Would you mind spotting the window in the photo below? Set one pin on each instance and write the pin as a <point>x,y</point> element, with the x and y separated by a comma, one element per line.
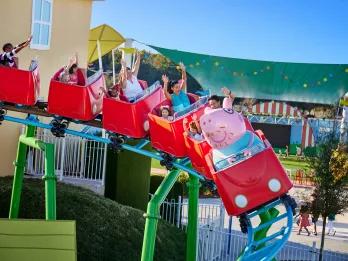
<point>41,26</point>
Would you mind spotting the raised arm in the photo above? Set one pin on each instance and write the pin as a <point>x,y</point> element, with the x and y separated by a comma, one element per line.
<point>165,87</point>
<point>19,47</point>
<point>196,121</point>
<point>76,58</point>
<point>137,65</point>
<point>123,74</point>
<point>229,98</point>
<point>183,76</point>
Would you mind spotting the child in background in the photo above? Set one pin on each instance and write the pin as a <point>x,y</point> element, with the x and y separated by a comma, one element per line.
<point>7,58</point>
<point>194,130</point>
<point>175,91</point>
<point>330,224</point>
<point>165,113</point>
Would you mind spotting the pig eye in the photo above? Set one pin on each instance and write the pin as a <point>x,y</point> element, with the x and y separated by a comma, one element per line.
<point>229,111</point>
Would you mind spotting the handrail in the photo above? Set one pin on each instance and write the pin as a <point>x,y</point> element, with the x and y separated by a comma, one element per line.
<point>192,108</point>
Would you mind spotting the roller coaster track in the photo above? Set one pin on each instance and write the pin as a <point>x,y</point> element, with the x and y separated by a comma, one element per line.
<point>260,246</point>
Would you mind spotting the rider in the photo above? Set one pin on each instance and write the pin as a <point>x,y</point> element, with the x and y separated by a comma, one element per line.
<point>175,91</point>
<point>129,82</point>
<point>7,58</point>
<point>215,103</point>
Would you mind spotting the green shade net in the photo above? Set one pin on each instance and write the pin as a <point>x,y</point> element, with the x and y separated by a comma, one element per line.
<point>298,82</point>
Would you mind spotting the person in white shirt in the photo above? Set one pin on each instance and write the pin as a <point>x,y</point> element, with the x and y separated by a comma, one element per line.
<point>129,82</point>
<point>344,122</point>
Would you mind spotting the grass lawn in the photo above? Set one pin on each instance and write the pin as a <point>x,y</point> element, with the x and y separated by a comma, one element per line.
<point>293,163</point>
<point>106,230</point>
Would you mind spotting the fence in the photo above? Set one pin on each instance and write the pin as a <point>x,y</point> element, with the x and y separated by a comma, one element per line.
<point>175,212</point>
<point>77,160</point>
<point>300,177</point>
<point>218,242</point>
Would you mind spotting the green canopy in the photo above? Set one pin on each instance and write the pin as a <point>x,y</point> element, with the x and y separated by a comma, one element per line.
<point>298,82</point>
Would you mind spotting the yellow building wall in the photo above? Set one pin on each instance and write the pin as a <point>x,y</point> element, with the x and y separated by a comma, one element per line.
<point>70,30</point>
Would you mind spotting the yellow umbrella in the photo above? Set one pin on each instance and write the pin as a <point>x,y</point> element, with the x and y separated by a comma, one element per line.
<point>108,39</point>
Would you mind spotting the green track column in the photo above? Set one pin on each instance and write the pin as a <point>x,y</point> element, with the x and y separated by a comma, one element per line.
<point>152,215</point>
<point>191,246</point>
<point>19,174</point>
<point>50,182</point>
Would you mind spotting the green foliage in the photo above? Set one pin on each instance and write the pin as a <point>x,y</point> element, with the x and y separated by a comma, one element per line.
<point>339,163</point>
<point>330,195</point>
<point>310,151</point>
<point>152,67</point>
<point>105,230</point>
<point>183,177</point>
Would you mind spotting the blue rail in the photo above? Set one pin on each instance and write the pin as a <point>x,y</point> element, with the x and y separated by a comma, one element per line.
<point>33,121</point>
<point>274,242</point>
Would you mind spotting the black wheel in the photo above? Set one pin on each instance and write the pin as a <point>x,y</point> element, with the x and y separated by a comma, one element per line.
<point>163,163</point>
<point>64,125</point>
<point>3,112</point>
<point>169,166</point>
<point>61,133</point>
<point>291,202</point>
<point>120,140</point>
<point>244,222</point>
<point>55,123</point>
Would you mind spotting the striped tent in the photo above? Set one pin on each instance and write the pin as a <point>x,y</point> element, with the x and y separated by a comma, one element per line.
<point>284,109</point>
<point>275,108</point>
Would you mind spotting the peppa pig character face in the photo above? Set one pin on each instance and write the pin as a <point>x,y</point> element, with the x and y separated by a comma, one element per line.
<point>222,127</point>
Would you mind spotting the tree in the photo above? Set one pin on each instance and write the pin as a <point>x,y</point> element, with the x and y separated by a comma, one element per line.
<point>330,195</point>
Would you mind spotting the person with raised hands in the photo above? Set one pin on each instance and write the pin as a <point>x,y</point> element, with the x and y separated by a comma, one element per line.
<point>129,80</point>
<point>175,90</point>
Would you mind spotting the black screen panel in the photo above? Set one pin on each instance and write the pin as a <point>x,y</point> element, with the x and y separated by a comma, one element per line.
<point>278,135</point>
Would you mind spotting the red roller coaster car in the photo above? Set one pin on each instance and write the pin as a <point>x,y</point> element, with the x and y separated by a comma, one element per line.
<point>252,181</point>
<point>131,119</point>
<point>198,149</point>
<point>248,182</point>
<point>19,86</point>
<point>82,102</point>
<point>167,136</point>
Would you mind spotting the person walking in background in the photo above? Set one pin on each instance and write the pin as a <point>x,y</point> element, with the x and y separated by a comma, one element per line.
<point>304,222</point>
<point>287,151</point>
<point>330,224</point>
<point>315,218</point>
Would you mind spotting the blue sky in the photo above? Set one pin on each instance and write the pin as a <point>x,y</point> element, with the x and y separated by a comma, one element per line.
<point>288,30</point>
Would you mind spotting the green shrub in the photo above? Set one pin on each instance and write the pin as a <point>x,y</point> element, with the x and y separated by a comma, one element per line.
<point>174,193</point>
<point>106,230</point>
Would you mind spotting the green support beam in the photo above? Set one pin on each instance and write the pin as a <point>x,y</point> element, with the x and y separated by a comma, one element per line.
<point>25,141</point>
<point>152,215</point>
<point>191,246</point>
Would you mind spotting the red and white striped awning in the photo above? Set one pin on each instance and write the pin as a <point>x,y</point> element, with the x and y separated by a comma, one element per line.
<point>275,108</point>
<point>284,109</point>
